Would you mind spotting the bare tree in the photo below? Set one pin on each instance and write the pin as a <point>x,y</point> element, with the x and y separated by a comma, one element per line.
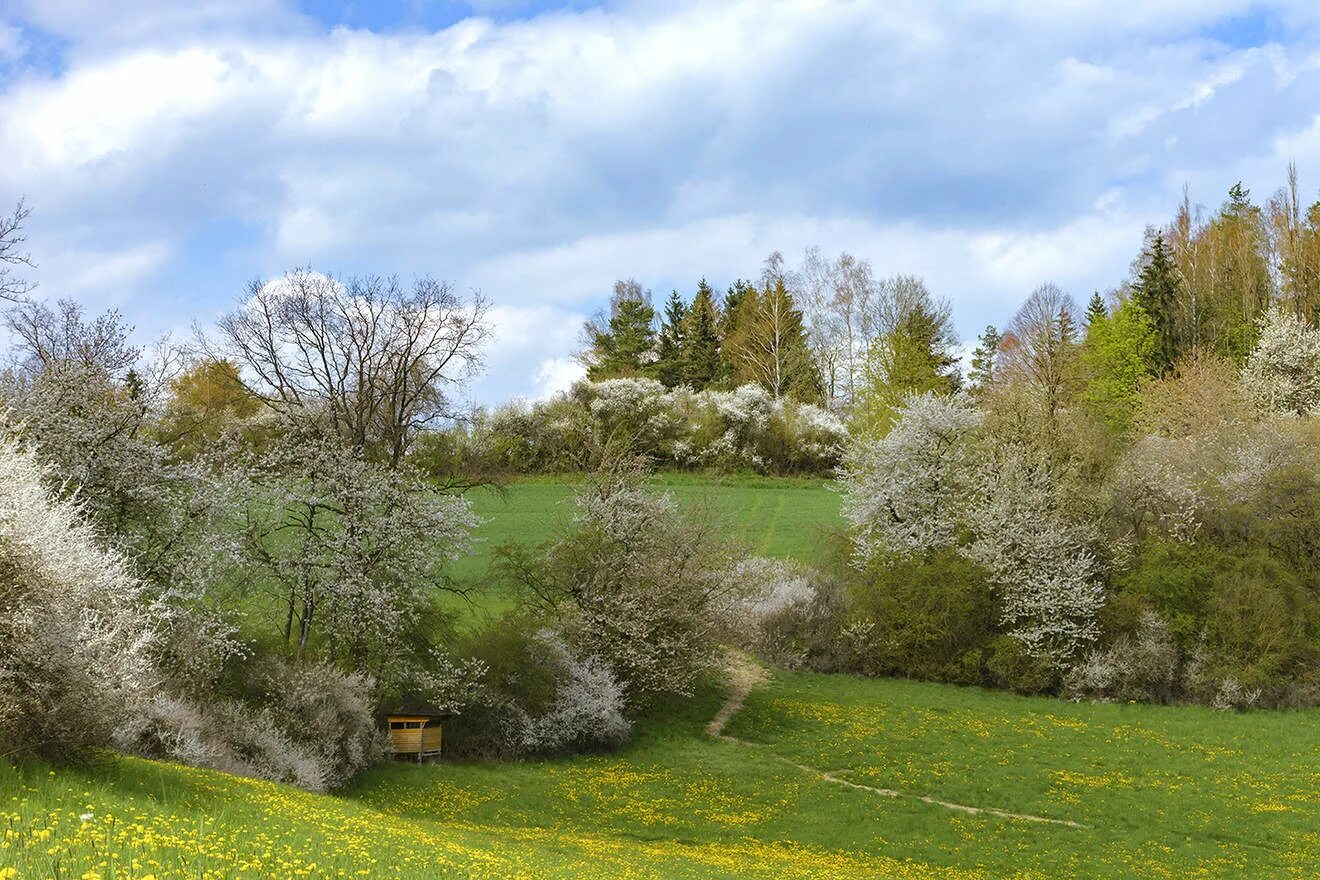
<point>48,338</point>
<point>12,287</point>
<point>838,296</point>
<point>374,360</point>
<point>1040,345</point>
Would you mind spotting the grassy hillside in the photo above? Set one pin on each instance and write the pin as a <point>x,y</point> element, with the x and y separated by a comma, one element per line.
<point>1153,792</point>
<point>773,516</point>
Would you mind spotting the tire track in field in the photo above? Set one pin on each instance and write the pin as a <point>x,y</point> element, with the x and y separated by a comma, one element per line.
<point>745,675</point>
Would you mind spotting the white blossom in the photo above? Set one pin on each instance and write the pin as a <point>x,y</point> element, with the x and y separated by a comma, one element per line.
<point>76,635</point>
<point>1283,371</point>
<point>904,493</point>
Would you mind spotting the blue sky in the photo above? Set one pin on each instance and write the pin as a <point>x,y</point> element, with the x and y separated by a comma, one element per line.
<point>534,150</point>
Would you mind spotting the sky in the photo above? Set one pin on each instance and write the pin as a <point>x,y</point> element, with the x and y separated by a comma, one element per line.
<point>536,151</point>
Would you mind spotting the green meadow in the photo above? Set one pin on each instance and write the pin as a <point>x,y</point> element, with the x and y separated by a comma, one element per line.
<point>814,776</point>
<point>823,776</point>
<point>783,518</point>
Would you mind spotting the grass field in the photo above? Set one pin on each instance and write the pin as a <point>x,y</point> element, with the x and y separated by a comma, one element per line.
<point>777,517</point>
<point>822,776</point>
<point>1153,792</point>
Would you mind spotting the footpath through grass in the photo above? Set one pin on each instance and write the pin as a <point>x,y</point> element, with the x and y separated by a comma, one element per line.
<point>1165,792</point>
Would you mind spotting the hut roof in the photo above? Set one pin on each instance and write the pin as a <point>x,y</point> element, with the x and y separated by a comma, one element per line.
<point>420,709</point>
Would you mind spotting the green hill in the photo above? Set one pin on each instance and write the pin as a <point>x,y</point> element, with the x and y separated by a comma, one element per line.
<point>826,776</point>
<point>773,516</point>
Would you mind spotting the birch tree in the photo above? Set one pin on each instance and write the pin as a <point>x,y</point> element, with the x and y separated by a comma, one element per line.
<point>769,345</point>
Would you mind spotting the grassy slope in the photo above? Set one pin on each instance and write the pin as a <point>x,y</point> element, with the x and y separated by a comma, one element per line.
<point>1181,792</point>
<point>774,517</point>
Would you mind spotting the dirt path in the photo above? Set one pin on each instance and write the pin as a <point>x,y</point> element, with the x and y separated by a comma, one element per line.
<point>745,674</point>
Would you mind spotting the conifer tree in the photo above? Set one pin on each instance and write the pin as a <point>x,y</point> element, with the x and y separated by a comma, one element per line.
<point>916,356</point>
<point>1067,327</point>
<point>625,344</point>
<point>1156,291</point>
<point>982,374</point>
<point>670,349</point>
<point>1095,309</point>
<point>768,344</point>
<point>701,339</point>
<point>730,316</point>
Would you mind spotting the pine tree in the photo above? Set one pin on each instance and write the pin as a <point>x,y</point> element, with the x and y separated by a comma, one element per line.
<point>982,374</point>
<point>701,339</point>
<point>625,345</point>
<point>1156,291</point>
<point>1096,310</point>
<point>670,349</point>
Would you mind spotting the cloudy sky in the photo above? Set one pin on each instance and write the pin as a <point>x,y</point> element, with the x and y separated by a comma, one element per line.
<point>172,151</point>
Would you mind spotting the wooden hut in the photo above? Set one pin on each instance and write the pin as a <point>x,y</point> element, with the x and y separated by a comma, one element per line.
<point>417,731</point>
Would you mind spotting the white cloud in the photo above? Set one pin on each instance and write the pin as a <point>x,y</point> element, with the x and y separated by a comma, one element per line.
<point>556,375</point>
<point>988,148</point>
<point>98,275</point>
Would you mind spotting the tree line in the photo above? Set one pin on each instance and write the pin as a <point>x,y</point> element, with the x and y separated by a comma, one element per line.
<point>830,332</point>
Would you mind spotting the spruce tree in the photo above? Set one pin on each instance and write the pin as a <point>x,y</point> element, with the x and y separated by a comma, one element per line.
<point>735,298</point>
<point>1067,328</point>
<point>670,349</point>
<point>915,357</point>
<point>625,345</point>
<point>701,339</point>
<point>1156,291</point>
<point>982,374</point>
<point>1096,310</point>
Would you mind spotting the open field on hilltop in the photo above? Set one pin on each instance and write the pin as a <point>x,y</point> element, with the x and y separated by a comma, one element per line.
<point>774,516</point>
<point>821,779</point>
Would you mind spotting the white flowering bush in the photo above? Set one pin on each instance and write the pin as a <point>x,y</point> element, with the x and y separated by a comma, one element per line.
<point>356,550</point>
<point>637,582</point>
<point>1040,561</point>
<point>1141,666</point>
<point>1169,486</point>
<point>1282,373</point>
<point>787,614</point>
<point>904,493</point>
<point>313,727</point>
<point>937,482</point>
<point>329,714</point>
<point>225,735</point>
<point>740,429</point>
<point>76,631</point>
<point>587,710</point>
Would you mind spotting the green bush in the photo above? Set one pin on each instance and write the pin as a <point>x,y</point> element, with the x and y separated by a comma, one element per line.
<point>1011,667</point>
<point>927,618</point>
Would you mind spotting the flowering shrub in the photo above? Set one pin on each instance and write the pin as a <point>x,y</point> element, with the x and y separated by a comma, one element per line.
<point>1141,666</point>
<point>638,582</point>
<point>76,634</point>
<point>742,429</point>
<point>587,709</point>
<point>938,482</point>
<point>328,713</point>
<point>313,727</point>
<point>223,735</point>
<point>1283,372</point>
